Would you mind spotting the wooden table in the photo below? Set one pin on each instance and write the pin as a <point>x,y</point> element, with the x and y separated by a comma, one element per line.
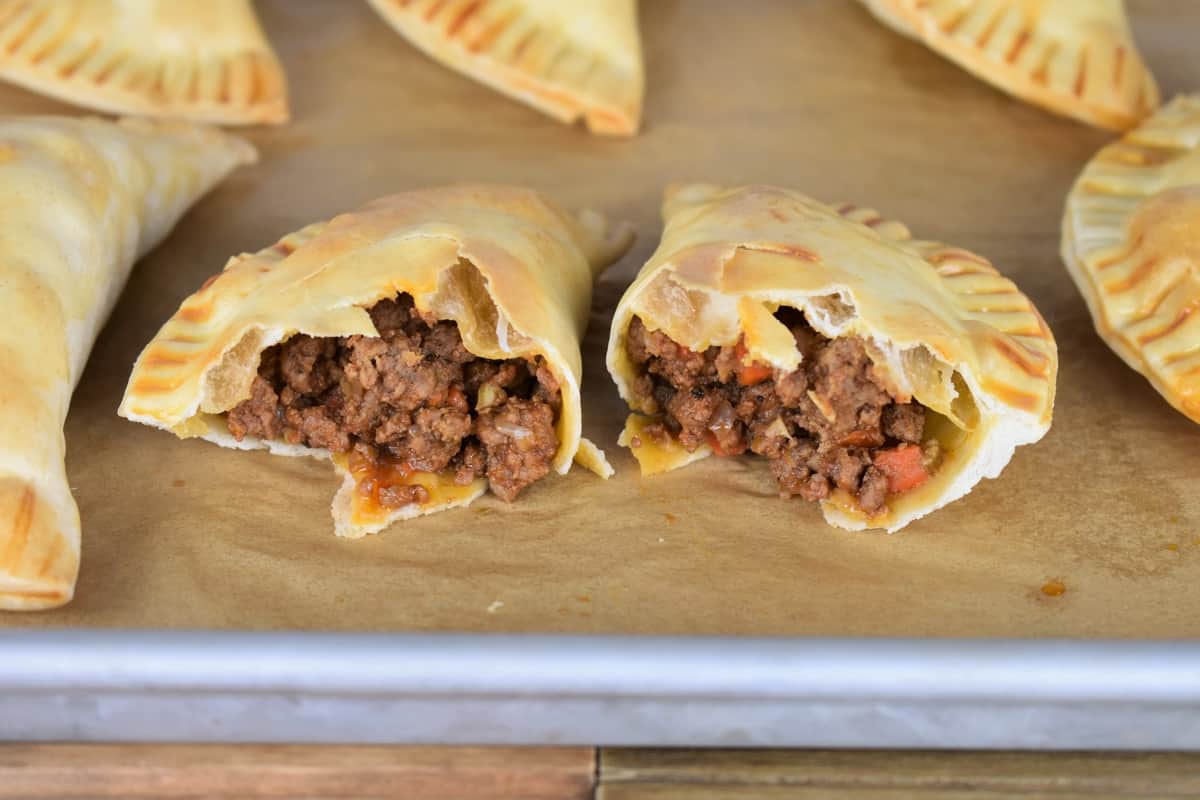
<point>254,771</point>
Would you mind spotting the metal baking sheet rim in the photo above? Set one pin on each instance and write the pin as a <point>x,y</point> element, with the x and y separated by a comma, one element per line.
<point>208,686</point>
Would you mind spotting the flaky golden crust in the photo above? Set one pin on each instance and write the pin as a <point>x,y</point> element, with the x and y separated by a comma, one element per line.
<point>201,60</point>
<point>571,59</point>
<point>941,323</point>
<point>80,199</point>
<point>513,271</point>
<point>1076,58</point>
<point>1131,242</point>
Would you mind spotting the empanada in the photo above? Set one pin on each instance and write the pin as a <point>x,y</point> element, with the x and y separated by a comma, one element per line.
<point>80,200</point>
<point>1074,57</point>
<point>428,343</point>
<point>879,375</point>
<point>570,59</point>
<point>1131,241</point>
<point>202,60</point>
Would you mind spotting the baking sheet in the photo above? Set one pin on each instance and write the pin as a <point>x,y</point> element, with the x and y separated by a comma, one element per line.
<point>212,686</point>
<point>814,95</point>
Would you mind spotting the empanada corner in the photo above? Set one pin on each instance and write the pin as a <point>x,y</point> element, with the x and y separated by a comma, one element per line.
<point>82,198</point>
<point>571,60</point>
<point>200,60</point>
<point>1131,243</point>
<point>38,558</point>
<point>1078,59</point>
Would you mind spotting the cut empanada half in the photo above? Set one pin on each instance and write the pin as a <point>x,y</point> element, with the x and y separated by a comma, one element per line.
<point>1074,57</point>
<point>201,60</point>
<point>879,375</point>
<point>571,59</point>
<point>429,343</point>
<point>1131,242</point>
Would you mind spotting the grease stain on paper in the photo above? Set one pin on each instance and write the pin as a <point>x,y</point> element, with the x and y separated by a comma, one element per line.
<point>1054,588</point>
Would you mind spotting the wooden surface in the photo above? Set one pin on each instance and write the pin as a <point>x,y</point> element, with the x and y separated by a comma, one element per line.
<point>253,771</point>
<point>56,772</point>
<point>866,775</point>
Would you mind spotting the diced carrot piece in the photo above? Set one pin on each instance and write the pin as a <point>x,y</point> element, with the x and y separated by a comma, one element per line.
<point>715,444</point>
<point>749,374</point>
<point>753,374</point>
<point>904,467</point>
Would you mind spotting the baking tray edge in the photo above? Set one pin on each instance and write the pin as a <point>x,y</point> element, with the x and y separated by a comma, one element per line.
<point>215,686</point>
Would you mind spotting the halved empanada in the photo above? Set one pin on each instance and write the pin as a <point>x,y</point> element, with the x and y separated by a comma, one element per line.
<point>428,343</point>
<point>80,199</point>
<point>1074,57</point>
<point>570,59</point>
<point>203,60</point>
<point>1131,241</point>
<point>879,375</point>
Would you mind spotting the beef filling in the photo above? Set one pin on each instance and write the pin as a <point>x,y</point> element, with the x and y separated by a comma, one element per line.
<point>829,424</point>
<point>412,399</point>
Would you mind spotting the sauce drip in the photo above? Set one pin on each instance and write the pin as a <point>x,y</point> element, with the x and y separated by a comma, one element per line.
<point>383,483</point>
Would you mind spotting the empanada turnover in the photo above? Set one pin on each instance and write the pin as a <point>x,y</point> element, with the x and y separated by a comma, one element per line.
<point>202,60</point>
<point>428,343</point>
<point>879,375</point>
<point>1131,241</point>
<point>80,200</point>
<point>570,59</point>
<point>1074,57</point>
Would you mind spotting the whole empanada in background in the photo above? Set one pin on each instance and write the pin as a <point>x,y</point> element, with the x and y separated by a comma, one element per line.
<point>427,342</point>
<point>1131,242</point>
<point>80,200</point>
<point>880,375</point>
<point>201,60</point>
<point>1074,57</point>
<point>571,59</point>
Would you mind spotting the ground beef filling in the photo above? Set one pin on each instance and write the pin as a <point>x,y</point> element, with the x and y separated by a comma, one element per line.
<point>828,424</point>
<point>412,399</point>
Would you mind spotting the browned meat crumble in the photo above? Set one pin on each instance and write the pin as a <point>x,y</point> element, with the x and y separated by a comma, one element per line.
<point>829,424</point>
<point>412,397</point>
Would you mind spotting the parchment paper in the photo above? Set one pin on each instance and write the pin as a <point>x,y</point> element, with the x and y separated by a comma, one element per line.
<point>812,94</point>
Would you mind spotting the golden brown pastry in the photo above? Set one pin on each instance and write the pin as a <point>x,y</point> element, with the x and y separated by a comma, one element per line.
<point>571,59</point>
<point>879,375</point>
<point>427,342</point>
<point>202,60</point>
<point>1131,241</point>
<point>1074,57</point>
<point>80,200</point>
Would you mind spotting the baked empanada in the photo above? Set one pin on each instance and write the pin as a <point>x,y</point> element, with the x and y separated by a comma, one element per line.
<point>570,59</point>
<point>1131,241</point>
<point>202,60</point>
<point>80,200</point>
<point>1074,57</point>
<point>428,343</point>
<point>879,375</point>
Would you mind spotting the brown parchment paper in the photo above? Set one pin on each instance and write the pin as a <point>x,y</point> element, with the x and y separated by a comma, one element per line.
<point>812,94</point>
